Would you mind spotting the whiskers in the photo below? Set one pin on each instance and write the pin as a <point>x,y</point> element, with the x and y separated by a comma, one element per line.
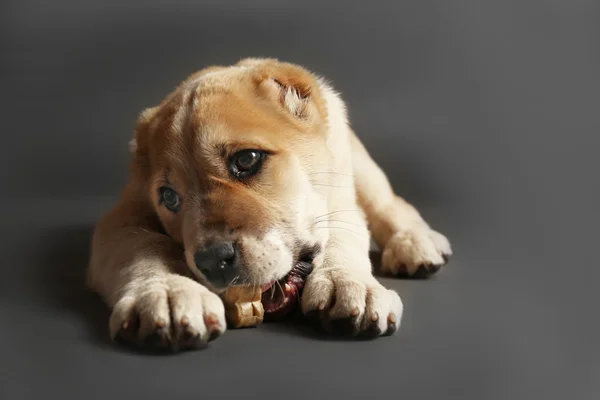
<point>332,174</point>
<point>358,233</point>
<point>280,288</point>
<point>336,212</point>
<point>234,280</point>
<point>334,186</point>
<point>338,220</point>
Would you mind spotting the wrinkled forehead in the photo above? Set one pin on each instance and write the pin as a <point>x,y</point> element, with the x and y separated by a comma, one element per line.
<point>237,117</point>
<point>212,117</point>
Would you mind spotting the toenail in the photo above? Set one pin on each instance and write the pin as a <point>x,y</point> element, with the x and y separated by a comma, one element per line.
<point>211,319</point>
<point>185,321</point>
<point>214,334</point>
<point>390,330</point>
<point>392,318</point>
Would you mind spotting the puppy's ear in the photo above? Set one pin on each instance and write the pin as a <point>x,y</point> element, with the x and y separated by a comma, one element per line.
<point>295,89</point>
<point>141,128</point>
<point>293,96</point>
<point>138,145</point>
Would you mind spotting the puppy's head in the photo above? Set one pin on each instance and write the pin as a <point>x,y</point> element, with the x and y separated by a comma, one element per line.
<point>226,161</point>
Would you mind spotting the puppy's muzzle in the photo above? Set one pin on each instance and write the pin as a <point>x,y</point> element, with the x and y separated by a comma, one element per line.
<point>219,263</point>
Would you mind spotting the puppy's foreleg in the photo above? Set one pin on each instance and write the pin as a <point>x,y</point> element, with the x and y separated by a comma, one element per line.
<point>140,274</point>
<point>341,292</point>
<point>410,247</point>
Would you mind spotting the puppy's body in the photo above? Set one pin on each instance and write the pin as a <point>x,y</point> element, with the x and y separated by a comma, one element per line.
<point>310,193</point>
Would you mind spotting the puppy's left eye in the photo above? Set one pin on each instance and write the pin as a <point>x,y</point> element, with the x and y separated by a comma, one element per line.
<point>169,198</point>
<point>246,163</point>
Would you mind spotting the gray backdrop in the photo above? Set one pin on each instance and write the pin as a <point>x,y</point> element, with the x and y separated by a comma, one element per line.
<point>485,114</point>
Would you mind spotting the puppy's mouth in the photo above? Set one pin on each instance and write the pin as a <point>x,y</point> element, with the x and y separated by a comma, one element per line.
<point>280,298</point>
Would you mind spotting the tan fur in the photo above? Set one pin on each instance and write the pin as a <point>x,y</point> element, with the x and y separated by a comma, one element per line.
<point>319,186</point>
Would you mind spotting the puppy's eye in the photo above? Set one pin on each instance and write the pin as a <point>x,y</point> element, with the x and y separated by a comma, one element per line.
<point>246,163</point>
<point>169,198</point>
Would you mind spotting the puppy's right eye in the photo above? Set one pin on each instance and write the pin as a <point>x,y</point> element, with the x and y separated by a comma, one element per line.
<point>169,198</point>
<point>246,163</point>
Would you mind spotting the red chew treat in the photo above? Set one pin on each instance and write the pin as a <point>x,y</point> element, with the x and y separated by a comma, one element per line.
<point>283,296</point>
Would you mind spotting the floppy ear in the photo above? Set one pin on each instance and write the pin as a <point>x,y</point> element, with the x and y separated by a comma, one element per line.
<point>138,145</point>
<point>141,127</point>
<point>294,89</point>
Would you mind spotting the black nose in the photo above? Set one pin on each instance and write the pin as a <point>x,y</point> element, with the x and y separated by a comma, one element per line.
<point>218,263</point>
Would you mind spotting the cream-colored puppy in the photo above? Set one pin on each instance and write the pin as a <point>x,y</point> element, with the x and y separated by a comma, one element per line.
<point>241,172</point>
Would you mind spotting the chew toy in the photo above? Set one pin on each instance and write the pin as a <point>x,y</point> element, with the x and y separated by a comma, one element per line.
<point>243,306</point>
<point>248,306</point>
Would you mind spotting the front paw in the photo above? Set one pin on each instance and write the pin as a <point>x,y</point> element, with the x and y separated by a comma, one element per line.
<point>175,314</point>
<point>350,303</point>
<point>416,253</point>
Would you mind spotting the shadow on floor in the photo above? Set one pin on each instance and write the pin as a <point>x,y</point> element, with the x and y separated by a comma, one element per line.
<point>64,257</point>
<point>375,257</point>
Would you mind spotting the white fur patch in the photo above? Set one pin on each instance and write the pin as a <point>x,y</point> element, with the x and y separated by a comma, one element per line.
<point>266,258</point>
<point>293,102</point>
<point>274,242</point>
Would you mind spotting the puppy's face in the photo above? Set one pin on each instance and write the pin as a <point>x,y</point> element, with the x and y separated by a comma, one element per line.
<point>227,161</point>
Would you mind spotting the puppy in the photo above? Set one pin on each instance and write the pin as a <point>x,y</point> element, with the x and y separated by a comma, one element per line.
<point>237,175</point>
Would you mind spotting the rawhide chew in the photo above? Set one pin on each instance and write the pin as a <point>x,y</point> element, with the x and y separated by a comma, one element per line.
<point>243,306</point>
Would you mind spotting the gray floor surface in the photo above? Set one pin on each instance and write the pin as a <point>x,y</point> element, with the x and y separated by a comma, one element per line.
<point>485,114</point>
